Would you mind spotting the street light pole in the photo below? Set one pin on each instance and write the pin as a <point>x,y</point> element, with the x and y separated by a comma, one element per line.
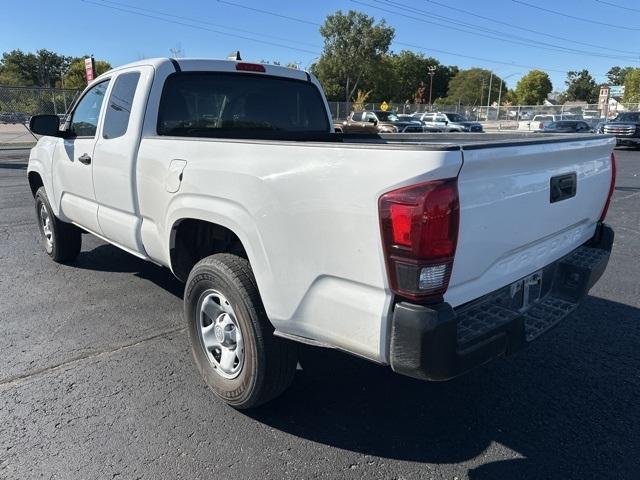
<point>432,72</point>
<point>500,92</point>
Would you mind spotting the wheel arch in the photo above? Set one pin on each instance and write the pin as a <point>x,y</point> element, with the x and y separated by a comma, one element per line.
<point>35,181</point>
<point>192,239</point>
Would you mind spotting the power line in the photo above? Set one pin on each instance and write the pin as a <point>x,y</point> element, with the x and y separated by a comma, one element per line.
<point>618,6</point>
<point>266,12</point>
<point>537,32</point>
<point>581,19</point>
<point>201,27</point>
<point>492,34</point>
<point>205,22</point>
<point>487,60</point>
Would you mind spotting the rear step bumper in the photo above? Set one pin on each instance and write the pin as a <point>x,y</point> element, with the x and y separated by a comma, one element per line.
<point>437,342</point>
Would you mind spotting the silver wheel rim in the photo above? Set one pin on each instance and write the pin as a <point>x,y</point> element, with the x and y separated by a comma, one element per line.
<point>220,334</point>
<point>45,225</point>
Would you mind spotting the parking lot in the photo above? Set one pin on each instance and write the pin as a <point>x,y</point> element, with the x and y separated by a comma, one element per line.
<point>97,381</point>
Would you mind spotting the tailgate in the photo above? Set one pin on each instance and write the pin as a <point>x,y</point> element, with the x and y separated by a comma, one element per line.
<point>509,227</point>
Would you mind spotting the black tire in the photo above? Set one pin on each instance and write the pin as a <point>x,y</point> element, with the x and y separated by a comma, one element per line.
<point>269,362</point>
<point>65,238</point>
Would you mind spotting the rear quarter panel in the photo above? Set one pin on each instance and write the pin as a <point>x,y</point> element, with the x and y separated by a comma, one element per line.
<point>307,215</point>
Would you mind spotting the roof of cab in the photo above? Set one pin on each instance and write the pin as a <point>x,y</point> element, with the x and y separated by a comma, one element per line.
<point>212,65</point>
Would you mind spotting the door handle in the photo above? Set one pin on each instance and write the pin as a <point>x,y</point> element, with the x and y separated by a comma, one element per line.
<point>84,158</point>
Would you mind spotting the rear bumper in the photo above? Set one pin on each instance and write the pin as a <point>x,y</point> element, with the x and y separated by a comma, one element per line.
<point>438,342</point>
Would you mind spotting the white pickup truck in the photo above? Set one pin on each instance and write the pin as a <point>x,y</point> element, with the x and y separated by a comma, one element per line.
<point>429,253</point>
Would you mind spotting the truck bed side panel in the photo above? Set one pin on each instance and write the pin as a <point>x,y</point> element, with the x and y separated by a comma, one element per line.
<point>307,214</point>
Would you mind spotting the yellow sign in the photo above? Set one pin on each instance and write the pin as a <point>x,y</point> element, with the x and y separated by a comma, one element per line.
<point>384,106</point>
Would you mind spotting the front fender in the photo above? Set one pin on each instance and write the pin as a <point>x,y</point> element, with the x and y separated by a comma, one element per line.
<point>40,162</point>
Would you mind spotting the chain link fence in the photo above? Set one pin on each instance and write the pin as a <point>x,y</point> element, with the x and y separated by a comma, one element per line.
<point>19,104</point>
<point>504,116</point>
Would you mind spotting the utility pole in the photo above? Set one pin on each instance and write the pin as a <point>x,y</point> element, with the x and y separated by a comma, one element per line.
<point>432,72</point>
<point>489,95</point>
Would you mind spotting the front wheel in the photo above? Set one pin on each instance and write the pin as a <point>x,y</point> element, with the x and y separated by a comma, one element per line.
<point>62,241</point>
<point>232,340</point>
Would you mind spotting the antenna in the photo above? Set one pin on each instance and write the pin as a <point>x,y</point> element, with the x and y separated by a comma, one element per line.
<point>177,51</point>
<point>235,56</point>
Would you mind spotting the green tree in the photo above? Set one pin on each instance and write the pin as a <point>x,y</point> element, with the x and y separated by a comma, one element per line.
<point>411,69</point>
<point>632,86</point>
<point>471,87</point>
<point>616,75</point>
<point>581,87</point>
<point>533,88</point>
<point>76,77</point>
<point>353,43</point>
<point>42,68</point>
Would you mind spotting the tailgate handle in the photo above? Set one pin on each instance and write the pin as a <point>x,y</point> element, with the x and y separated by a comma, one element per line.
<point>562,187</point>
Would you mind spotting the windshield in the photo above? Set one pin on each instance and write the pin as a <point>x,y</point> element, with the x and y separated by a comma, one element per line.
<point>455,117</point>
<point>628,117</point>
<point>387,117</point>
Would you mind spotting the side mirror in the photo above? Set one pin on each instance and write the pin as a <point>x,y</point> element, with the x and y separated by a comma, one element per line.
<point>373,120</point>
<point>47,125</point>
<point>446,122</point>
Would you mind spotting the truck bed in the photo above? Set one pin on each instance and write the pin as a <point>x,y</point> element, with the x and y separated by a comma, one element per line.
<point>411,141</point>
<point>468,140</point>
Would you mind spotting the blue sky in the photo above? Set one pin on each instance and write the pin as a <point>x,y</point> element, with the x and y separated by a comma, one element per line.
<point>108,30</point>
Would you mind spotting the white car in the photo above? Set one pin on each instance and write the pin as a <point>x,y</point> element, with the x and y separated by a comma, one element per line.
<point>448,122</point>
<point>430,256</point>
<point>539,122</point>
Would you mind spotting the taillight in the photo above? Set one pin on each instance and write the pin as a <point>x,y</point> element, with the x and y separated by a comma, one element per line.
<point>541,126</point>
<point>250,67</point>
<point>612,187</point>
<point>420,233</point>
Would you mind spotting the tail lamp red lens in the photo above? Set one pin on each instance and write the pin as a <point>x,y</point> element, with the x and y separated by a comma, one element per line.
<point>250,67</point>
<point>612,187</point>
<point>420,233</point>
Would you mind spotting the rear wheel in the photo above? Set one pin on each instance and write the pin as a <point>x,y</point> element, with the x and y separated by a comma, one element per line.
<point>232,340</point>
<point>62,241</point>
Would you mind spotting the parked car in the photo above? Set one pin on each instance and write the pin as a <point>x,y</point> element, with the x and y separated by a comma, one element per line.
<point>519,114</point>
<point>448,122</point>
<point>377,121</point>
<point>626,128</point>
<point>540,121</point>
<point>567,126</point>
<point>425,127</point>
<point>408,253</point>
<point>599,127</point>
<point>14,117</point>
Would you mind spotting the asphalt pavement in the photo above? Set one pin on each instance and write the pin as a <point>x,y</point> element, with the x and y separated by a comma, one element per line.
<point>96,381</point>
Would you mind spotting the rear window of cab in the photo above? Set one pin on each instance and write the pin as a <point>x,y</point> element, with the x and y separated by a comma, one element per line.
<point>215,104</point>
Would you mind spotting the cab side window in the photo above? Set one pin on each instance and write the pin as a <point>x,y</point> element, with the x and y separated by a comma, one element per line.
<point>116,119</point>
<point>85,117</point>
